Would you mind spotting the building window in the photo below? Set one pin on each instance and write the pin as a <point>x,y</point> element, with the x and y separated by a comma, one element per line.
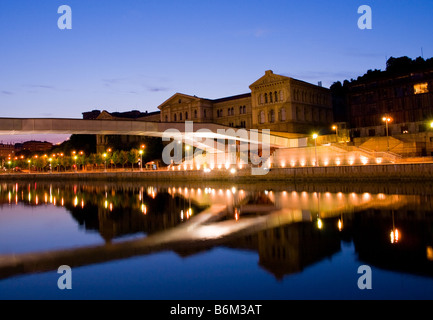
<point>166,118</point>
<point>244,108</point>
<point>420,88</point>
<point>371,132</point>
<point>276,96</point>
<point>232,111</point>
<point>270,97</point>
<point>266,98</point>
<point>195,113</point>
<point>180,101</point>
<point>272,116</point>
<point>204,113</point>
<point>218,113</point>
<point>283,114</point>
<point>175,117</point>
<point>180,116</point>
<point>262,117</point>
<point>281,95</point>
<point>186,115</point>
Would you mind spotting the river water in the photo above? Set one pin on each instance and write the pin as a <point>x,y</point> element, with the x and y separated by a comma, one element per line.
<point>215,241</point>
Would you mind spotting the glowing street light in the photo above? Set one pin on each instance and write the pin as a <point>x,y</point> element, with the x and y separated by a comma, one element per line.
<point>335,128</point>
<point>105,162</point>
<point>387,120</point>
<point>141,159</point>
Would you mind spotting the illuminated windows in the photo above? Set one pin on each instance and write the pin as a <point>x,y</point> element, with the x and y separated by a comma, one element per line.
<point>420,88</point>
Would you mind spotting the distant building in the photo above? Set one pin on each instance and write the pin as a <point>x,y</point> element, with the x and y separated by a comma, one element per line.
<point>36,146</point>
<point>402,94</point>
<point>7,150</point>
<point>407,99</point>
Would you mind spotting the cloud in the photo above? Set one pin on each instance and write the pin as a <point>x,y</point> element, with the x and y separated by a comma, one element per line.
<point>7,92</point>
<point>158,89</point>
<point>40,86</point>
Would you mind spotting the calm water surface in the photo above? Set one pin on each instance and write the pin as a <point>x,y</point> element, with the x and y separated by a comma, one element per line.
<point>214,241</point>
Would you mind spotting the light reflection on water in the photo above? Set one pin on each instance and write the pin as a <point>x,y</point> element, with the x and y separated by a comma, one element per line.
<point>286,232</point>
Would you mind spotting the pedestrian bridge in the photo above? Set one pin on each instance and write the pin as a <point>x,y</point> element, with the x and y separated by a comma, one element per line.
<point>187,131</point>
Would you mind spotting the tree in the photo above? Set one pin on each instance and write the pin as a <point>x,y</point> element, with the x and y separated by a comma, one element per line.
<point>133,157</point>
<point>123,158</point>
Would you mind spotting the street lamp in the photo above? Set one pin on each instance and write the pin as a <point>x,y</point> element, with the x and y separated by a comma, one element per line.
<point>141,159</point>
<point>29,162</point>
<point>315,136</point>
<point>387,120</point>
<point>335,128</point>
<point>105,162</point>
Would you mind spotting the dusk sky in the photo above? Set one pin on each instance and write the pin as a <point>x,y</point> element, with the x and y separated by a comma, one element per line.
<point>133,55</point>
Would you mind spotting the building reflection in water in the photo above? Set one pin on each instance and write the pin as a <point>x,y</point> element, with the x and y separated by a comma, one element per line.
<point>289,229</point>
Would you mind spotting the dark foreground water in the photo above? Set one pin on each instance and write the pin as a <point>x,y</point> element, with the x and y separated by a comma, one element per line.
<point>215,241</point>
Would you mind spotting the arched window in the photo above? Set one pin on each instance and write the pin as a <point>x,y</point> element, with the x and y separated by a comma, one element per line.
<point>228,111</point>
<point>244,108</point>
<point>195,113</point>
<point>266,98</point>
<point>218,113</point>
<point>166,118</point>
<point>180,116</point>
<point>262,117</point>
<point>270,97</point>
<point>281,95</point>
<point>283,114</point>
<point>276,96</point>
<point>175,117</point>
<point>233,112</point>
<point>272,116</point>
<point>240,110</point>
<point>204,113</point>
<point>186,115</point>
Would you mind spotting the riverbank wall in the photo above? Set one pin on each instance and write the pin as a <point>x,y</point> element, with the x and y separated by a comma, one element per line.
<point>361,173</point>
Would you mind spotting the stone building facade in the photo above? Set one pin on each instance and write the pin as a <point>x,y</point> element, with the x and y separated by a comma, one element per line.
<point>276,102</point>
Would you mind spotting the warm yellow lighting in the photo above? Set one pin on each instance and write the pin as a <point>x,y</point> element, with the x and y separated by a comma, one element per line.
<point>386,119</point>
<point>420,88</point>
<point>340,225</point>
<point>232,170</point>
<point>395,236</point>
<point>334,128</point>
<point>319,224</point>
<point>430,253</point>
<point>140,152</point>
<point>315,136</point>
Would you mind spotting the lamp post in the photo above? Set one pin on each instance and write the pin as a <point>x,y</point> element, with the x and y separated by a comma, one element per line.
<point>29,162</point>
<point>315,136</point>
<point>105,162</point>
<point>141,159</point>
<point>387,120</point>
<point>335,128</point>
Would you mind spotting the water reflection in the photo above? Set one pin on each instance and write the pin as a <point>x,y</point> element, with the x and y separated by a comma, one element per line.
<point>289,228</point>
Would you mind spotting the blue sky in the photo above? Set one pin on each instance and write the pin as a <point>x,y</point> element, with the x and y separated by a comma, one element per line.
<point>131,54</point>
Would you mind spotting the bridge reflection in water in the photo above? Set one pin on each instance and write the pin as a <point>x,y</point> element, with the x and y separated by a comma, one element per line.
<point>289,229</point>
